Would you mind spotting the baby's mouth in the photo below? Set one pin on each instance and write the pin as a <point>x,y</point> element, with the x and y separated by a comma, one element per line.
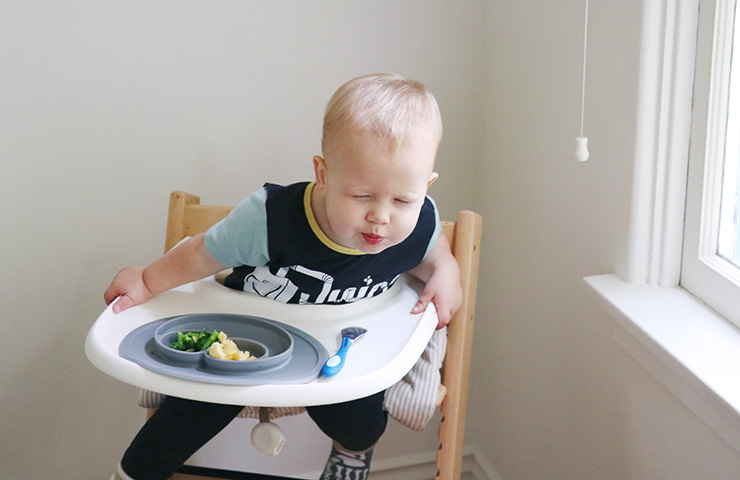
<point>372,239</point>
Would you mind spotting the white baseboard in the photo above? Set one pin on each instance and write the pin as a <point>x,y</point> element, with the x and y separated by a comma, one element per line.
<point>423,466</point>
<point>481,466</point>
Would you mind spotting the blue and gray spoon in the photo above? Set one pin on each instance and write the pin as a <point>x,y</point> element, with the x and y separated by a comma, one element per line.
<point>336,361</point>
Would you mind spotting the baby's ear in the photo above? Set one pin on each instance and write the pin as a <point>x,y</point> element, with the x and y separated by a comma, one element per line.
<point>432,178</point>
<point>319,168</point>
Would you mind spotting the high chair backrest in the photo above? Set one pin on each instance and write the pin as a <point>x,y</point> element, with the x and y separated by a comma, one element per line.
<point>187,217</point>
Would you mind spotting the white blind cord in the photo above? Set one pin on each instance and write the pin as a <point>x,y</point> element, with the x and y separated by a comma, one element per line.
<point>581,141</point>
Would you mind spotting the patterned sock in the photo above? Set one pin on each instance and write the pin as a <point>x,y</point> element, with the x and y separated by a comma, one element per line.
<point>344,465</point>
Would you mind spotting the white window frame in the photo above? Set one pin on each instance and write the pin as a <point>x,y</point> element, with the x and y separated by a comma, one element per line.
<point>704,273</point>
<point>662,142</point>
<point>686,346</point>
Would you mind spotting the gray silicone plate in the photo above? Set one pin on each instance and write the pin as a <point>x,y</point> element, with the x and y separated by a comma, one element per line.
<point>304,363</point>
<point>274,341</point>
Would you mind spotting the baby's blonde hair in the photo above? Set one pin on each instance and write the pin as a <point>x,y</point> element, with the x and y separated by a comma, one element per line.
<point>387,105</point>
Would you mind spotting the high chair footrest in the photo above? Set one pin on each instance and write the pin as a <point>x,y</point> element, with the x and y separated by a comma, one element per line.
<point>190,472</point>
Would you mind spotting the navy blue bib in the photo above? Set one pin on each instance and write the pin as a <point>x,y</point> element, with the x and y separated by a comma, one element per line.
<point>302,269</point>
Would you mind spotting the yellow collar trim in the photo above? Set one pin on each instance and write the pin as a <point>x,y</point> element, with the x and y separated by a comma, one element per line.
<point>317,230</point>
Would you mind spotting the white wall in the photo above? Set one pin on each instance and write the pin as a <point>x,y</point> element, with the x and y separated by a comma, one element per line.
<point>105,107</point>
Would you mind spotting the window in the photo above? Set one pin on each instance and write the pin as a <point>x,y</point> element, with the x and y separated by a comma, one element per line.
<point>675,230</point>
<point>675,234</point>
<point>729,212</point>
<point>711,254</point>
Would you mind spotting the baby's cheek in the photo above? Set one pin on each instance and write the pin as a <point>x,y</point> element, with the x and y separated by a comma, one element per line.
<point>410,221</point>
<point>405,233</point>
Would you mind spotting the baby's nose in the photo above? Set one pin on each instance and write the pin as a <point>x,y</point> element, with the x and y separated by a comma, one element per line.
<point>378,215</point>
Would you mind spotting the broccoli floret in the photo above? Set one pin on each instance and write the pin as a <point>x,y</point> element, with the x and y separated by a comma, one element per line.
<point>206,340</point>
<point>194,341</point>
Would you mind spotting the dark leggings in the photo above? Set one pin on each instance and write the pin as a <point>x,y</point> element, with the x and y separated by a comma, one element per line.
<point>180,427</point>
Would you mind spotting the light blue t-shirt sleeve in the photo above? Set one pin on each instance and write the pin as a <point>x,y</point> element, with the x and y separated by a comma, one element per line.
<point>241,237</point>
<point>437,228</point>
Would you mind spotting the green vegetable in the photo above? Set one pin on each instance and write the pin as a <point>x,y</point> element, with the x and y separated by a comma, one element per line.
<point>195,341</point>
<point>206,342</point>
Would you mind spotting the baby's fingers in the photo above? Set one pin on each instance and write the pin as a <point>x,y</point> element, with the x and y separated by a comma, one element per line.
<point>443,313</point>
<point>420,307</point>
<point>122,303</point>
<point>424,300</point>
<point>110,294</point>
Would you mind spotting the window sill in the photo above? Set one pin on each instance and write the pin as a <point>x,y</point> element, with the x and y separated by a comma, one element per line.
<point>685,345</point>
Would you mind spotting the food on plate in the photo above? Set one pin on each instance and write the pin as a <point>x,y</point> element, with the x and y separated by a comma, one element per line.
<point>195,341</point>
<point>226,349</point>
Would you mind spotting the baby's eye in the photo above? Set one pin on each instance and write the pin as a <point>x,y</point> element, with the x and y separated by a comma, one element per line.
<point>402,201</point>
<point>361,197</point>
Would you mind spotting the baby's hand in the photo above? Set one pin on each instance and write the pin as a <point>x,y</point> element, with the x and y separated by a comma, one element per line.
<point>128,284</point>
<point>440,272</point>
<point>446,294</point>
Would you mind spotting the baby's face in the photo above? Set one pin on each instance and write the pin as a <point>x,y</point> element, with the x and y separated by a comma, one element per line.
<point>371,195</point>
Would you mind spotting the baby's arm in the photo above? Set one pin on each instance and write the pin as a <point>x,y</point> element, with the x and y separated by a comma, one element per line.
<point>186,263</point>
<point>442,276</point>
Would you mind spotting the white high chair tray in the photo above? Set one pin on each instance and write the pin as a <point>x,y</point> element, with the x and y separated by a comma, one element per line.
<point>394,341</point>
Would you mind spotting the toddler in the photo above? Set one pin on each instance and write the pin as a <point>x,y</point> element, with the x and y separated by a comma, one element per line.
<point>348,235</point>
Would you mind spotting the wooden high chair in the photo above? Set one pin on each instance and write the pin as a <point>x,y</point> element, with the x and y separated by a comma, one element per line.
<point>187,217</point>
